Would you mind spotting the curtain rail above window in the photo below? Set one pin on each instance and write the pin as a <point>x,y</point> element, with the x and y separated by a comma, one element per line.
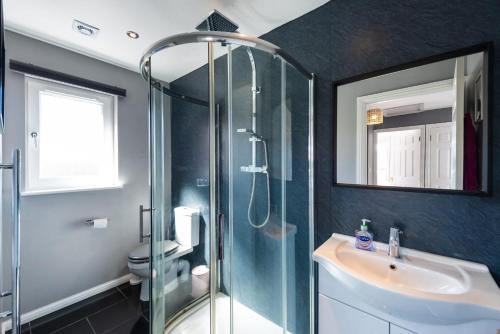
<point>65,78</point>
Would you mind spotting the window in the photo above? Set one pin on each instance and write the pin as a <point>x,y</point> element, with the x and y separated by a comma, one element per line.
<point>70,138</point>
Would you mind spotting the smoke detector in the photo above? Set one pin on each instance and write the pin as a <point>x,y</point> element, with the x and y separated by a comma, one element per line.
<point>84,28</point>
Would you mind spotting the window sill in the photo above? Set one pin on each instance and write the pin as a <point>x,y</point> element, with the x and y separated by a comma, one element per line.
<point>70,190</point>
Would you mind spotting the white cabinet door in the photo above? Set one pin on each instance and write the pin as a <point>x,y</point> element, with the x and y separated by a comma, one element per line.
<point>338,318</point>
<point>398,330</point>
<point>398,156</point>
<point>439,162</point>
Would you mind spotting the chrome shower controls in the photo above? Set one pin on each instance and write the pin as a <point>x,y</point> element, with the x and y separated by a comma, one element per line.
<point>254,169</point>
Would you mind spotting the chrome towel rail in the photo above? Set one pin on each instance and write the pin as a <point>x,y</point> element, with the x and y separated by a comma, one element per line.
<point>14,293</point>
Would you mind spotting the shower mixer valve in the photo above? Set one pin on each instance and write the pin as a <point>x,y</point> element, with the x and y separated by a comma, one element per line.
<point>253,137</point>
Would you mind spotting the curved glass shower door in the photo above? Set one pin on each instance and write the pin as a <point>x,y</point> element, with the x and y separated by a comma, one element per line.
<point>232,143</point>
<point>269,272</point>
<point>180,186</point>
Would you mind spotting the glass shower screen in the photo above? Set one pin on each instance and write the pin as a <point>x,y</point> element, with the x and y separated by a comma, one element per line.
<point>231,141</point>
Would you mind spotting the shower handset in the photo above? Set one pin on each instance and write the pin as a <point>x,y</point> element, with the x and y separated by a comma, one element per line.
<point>254,138</point>
<point>254,170</point>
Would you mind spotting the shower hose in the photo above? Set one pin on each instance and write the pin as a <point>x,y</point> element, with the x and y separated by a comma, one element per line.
<point>252,195</point>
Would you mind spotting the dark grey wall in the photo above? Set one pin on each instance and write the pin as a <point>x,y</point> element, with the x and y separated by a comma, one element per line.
<point>349,37</point>
<point>420,118</point>
<point>341,39</point>
<point>190,162</point>
<point>60,255</point>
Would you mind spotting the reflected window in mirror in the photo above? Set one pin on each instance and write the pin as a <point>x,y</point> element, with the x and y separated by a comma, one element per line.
<point>422,125</point>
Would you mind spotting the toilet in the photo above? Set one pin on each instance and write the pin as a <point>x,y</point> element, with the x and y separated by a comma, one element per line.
<point>187,232</point>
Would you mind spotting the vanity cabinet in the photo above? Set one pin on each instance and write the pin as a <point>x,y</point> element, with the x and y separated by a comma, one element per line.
<point>370,292</point>
<point>342,311</point>
<point>338,318</point>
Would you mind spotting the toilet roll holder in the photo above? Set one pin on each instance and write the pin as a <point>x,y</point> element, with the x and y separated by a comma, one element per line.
<point>90,221</point>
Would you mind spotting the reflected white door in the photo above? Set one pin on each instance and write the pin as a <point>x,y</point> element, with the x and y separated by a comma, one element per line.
<point>381,158</point>
<point>398,157</point>
<point>439,157</point>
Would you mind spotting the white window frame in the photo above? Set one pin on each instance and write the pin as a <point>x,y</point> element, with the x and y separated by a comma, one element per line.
<point>32,184</point>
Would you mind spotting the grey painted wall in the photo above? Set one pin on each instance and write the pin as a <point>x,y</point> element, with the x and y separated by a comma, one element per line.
<point>60,255</point>
<point>419,118</point>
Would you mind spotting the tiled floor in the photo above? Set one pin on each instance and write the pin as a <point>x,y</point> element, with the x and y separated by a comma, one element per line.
<point>116,311</point>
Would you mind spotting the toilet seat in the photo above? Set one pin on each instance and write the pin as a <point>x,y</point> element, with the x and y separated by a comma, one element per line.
<point>141,253</point>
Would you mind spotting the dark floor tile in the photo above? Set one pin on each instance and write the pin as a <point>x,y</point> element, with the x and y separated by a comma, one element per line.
<point>75,312</point>
<point>80,327</point>
<point>145,309</point>
<point>133,326</point>
<point>132,292</point>
<point>25,329</point>
<point>113,316</point>
<point>127,283</point>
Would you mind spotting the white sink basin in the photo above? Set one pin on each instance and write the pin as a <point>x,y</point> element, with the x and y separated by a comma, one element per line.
<point>420,287</point>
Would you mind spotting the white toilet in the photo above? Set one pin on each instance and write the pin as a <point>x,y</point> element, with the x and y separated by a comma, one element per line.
<point>187,232</point>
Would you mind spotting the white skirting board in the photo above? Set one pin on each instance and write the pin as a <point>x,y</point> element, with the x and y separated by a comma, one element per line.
<point>62,303</point>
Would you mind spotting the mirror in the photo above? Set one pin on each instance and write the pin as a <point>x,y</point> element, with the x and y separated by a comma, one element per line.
<point>422,125</point>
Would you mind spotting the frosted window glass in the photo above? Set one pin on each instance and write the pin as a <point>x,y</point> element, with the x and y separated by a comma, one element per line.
<point>71,137</point>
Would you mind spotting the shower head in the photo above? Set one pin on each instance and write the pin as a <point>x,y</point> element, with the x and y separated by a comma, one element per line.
<point>250,133</point>
<point>247,131</point>
<point>217,22</point>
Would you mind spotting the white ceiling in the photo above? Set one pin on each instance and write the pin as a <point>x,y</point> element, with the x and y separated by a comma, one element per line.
<point>417,103</point>
<point>51,21</point>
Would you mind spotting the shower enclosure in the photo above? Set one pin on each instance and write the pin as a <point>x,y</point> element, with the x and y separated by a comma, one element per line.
<point>234,141</point>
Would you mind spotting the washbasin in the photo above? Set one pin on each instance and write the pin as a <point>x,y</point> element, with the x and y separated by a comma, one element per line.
<point>417,274</point>
<point>419,286</point>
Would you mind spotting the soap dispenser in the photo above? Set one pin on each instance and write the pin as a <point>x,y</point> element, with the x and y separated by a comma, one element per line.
<point>364,239</point>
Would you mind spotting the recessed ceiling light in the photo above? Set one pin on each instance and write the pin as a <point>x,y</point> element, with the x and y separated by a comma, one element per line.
<point>132,34</point>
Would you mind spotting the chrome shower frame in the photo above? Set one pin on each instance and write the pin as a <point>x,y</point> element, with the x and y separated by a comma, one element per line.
<point>218,37</point>
<point>228,38</point>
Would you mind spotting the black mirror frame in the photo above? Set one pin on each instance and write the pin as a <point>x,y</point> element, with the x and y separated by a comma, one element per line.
<point>487,48</point>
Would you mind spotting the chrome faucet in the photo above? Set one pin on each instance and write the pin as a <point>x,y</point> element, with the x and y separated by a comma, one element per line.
<point>394,243</point>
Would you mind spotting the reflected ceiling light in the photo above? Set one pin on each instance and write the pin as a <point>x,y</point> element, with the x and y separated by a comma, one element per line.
<point>132,34</point>
<point>374,116</point>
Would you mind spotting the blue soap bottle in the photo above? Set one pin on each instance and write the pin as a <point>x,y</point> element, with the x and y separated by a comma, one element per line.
<point>364,239</point>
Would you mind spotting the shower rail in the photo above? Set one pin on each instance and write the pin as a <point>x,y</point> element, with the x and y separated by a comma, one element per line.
<point>218,37</point>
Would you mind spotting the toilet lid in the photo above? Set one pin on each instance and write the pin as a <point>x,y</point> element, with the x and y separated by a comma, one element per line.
<point>141,253</point>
